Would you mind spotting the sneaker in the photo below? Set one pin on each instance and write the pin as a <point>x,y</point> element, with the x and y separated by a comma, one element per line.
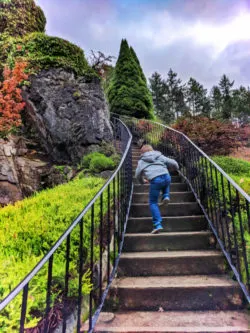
<point>156,230</point>
<point>164,202</point>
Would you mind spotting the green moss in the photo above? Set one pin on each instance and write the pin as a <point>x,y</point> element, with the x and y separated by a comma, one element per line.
<point>44,52</point>
<point>20,17</point>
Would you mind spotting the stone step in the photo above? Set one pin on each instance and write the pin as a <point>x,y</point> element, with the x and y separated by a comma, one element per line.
<point>174,322</point>
<point>175,293</point>
<point>173,241</point>
<point>174,179</point>
<point>172,209</point>
<point>173,223</point>
<point>171,263</point>
<point>175,197</point>
<point>174,187</point>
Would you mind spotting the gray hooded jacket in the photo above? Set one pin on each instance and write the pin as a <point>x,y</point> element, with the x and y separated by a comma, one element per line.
<point>152,164</point>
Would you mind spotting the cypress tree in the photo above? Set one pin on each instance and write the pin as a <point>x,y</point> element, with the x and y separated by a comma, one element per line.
<point>133,54</point>
<point>128,93</point>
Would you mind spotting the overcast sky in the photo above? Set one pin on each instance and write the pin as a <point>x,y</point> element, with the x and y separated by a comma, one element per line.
<point>196,38</point>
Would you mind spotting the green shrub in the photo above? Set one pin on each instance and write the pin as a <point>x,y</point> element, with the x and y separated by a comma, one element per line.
<point>101,163</point>
<point>97,162</point>
<point>43,52</point>
<point>233,165</point>
<point>19,17</point>
<point>29,228</point>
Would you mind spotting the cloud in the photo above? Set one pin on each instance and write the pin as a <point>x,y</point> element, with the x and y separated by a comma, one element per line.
<point>196,38</point>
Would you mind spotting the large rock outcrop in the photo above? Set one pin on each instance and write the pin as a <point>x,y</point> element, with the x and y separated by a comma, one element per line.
<point>68,112</point>
<point>20,174</point>
<point>24,169</point>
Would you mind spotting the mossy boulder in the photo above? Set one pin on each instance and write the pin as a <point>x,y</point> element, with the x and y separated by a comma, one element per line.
<point>44,52</point>
<point>20,17</point>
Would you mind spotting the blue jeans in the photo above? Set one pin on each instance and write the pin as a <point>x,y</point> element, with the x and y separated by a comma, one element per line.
<point>157,185</point>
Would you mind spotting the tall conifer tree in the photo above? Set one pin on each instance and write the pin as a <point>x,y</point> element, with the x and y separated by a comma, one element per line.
<point>128,93</point>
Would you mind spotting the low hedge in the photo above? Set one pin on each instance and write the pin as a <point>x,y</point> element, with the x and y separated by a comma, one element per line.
<point>29,228</point>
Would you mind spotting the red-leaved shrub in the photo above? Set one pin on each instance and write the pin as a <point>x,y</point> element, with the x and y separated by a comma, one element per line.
<point>11,102</point>
<point>212,136</point>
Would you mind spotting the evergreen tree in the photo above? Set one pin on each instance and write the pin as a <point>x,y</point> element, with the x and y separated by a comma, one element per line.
<point>197,98</point>
<point>241,103</point>
<point>226,92</point>
<point>133,54</point>
<point>128,93</point>
<point>158,90</point>
<point>216,102</point>
<point>175,95</point>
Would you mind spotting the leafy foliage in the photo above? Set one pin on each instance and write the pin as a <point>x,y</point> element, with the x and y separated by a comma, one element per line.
<point>11,102</point>
<point>211,135</point>
<point>128,93</point>
<point>20,17</point>
<point>97,162</point>
<point>41,52</point>
<point>28,230</point>
<point>239,170</point>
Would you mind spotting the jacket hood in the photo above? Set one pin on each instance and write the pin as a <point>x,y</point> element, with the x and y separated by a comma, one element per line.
<point>150,156</point>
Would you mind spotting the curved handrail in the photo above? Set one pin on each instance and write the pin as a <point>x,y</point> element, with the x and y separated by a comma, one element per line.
<point>224,203</point>
<point>20,287</point>
<point>242,192</point>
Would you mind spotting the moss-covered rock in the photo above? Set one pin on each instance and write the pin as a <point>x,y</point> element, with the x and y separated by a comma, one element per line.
<point>19,17</point>
<point>44,52</point>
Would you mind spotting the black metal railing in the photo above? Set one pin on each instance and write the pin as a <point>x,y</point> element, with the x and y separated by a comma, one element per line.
<point>86,275</point>
<point>224,203</point>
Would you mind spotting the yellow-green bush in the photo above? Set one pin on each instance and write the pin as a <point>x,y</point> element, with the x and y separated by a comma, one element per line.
<point>28,230</point>
<point>238,170</point>
<point>19,17</point>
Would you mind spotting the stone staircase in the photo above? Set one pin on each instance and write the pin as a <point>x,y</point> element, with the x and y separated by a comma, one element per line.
<point>174,281</point>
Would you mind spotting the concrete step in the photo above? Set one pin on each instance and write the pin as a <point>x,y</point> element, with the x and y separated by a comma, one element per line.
<point>175,293</point>
<point>174,322</point>
<point>174,187</point>
<point>173,223</point>
<point>173,241</point>
<point>175,197</point>
<point>172,209</point>
<point>171,263</point>
<point>174,179</point>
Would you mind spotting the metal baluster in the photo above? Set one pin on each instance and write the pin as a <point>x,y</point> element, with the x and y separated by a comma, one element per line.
<point>208,192</point>
<point>248,215</point>
<point>234,232</point>
<point>108,237</point>
<point>24,308</point>
<point>91,264</point>
<point>80,272</point>
<point>101,246</point>
<point>114,219</point>
<point>48,296</point>
<point>243,242</point>
<point>66,284</point>
<point>226,218</point>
